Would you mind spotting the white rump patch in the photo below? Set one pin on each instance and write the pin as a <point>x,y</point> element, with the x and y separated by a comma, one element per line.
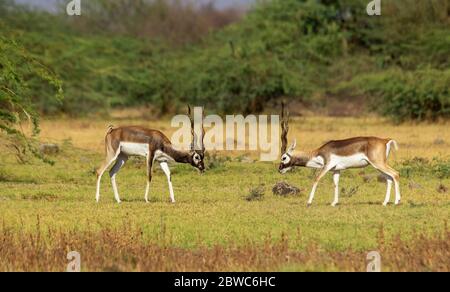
<point>134,149</point>
<point>359,160</point>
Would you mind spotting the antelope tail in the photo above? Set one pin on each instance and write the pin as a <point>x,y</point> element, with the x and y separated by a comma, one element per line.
<point>110,129</point>
<point>389,147</point>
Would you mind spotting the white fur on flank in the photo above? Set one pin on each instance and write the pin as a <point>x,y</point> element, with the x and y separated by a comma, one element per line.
<point>134,149</point>
<point>138,149</point>
<point>359,160</point>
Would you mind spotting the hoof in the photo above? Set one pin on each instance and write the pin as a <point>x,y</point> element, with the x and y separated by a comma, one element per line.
<point>385,204</point>
<point>334,204</point>
<point>308,205</point>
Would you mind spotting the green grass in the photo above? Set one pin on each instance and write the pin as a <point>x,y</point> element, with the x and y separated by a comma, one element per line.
<point>211,209</point>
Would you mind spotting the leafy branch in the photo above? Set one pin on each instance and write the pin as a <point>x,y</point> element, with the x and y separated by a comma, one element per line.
<point>17,69</point>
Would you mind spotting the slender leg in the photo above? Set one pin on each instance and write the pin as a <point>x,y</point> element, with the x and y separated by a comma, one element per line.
<point>147,189</point>
<point>394,176</point>
<point>149,176</point>
<point>322,173</point>
<point>336,176</point>
<point>398,196</point>
<point>109,160</point>
<point>388,191</point>
<point>165,168</point>
<point>119,163</point>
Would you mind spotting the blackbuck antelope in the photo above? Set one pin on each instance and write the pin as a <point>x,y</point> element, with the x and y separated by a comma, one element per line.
<point>123,142</point>
<point>336,156</point>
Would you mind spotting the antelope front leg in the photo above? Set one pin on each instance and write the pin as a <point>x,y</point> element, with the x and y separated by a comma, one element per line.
<point>149,176</point>
<point>336,176</point>
<point>166,169</point>
<point>322,173</point>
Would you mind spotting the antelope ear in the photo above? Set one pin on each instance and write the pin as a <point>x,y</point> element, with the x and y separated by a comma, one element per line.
<point>292,148</point>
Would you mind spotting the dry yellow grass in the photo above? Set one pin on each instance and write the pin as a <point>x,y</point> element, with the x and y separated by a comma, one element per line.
<point>99,252</point>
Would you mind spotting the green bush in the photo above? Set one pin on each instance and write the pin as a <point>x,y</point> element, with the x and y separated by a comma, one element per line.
<point>403,95</point>
<point>436,167</point>
<point>307,50</point>
<point>264,57</point>
<point>19,76</point>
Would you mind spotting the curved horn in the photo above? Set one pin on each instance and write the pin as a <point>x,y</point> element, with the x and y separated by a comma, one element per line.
<point>203,130</point>
<point>194,138</point>
<point>194,143</point>
<point>284,128</point>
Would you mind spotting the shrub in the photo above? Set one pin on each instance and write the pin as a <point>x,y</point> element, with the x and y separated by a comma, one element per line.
<point>441,168</point>
<point>421,95</point>
<point>19,76</point>
<point>256,194</point>
<point>437,167</point>
<point>159,53</point>
<point>402,95</point>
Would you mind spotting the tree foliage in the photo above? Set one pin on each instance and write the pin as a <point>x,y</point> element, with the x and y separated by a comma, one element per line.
<point>131,53</point>
<point>21,77</point>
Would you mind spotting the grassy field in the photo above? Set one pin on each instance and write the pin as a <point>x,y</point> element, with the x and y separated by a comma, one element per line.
<point>50,210</point>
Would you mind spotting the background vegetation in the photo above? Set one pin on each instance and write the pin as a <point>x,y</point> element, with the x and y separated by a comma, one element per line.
<point>318,53</point>
<point>21,79</point>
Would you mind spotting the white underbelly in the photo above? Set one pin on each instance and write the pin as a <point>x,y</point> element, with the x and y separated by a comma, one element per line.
<point>134,149</point>
<point>353,161</point>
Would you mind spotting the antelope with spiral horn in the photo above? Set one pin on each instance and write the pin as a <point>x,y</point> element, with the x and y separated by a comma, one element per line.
<point>336,156</point>
<point>123,142</point>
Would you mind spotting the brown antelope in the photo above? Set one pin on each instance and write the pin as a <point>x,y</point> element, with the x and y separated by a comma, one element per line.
<point>123,142</point>
<point>339,155</point>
